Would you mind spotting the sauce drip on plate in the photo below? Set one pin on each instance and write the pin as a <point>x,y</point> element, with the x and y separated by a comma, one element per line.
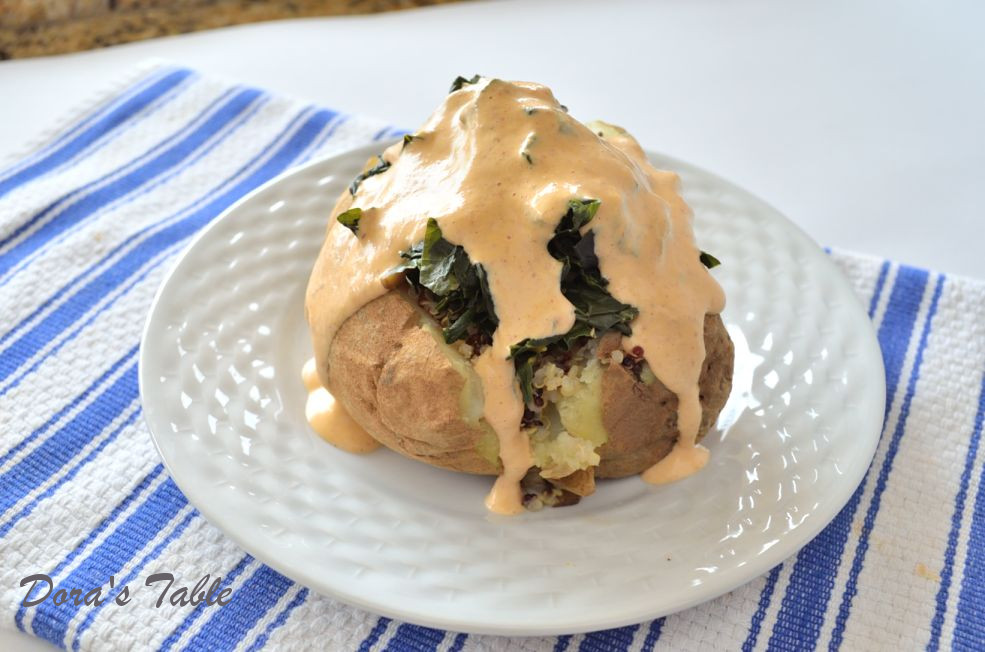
<point>329,419</point>
<point>496,165</point>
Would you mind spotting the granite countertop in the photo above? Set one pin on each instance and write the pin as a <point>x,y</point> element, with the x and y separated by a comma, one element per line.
<point>30,28</point>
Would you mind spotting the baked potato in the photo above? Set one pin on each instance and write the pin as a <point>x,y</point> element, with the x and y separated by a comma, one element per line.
<point>489,292</point>
<point>391,369</point>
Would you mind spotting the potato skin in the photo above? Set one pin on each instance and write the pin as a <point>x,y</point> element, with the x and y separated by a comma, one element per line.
<point>641,420</point>
<point>397,383</point>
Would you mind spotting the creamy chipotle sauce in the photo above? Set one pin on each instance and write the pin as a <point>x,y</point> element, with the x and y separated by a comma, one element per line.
<point>329,419</point>
<point>496,165</point>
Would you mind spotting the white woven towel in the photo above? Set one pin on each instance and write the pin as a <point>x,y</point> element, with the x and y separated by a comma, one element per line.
<point>94,214</point>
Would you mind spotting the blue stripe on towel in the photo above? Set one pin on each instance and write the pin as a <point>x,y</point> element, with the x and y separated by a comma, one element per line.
<point>609,640</point>
<point>295,146</point>
<point>121,507</point>
<point>458,643</point>
<point>281,618</point>
<point>128,197</point>
<point>653,634</point>
<point>55,418</point>
<point>54,345</point>
<point>133,261</point>
<point>110,557</point>
<point>95,128</point>
<point>956,520</point>
<point>153,515</point>
<point>803,608</point>
<point>67,476</point>
<point>414,638</point>
<point>72,129</point>
<point>877,293</point>
<point>200,608</point>
<point>204,133</point>
<point>320,141</point>
<point>229,624</point>
<point>765,597</point>
<point>50,322</point>
<point>71,195</point>
<point>969,621</point>
<point>288,152</point>
<point>374,635</point>
<point>130,577</point>
<point>851,587</point>
<point>48,458</point>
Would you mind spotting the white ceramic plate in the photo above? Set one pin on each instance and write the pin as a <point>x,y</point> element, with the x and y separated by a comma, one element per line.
<point>220,381</point>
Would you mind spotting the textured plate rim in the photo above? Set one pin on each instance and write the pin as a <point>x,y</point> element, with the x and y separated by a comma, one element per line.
<point>757,565</point>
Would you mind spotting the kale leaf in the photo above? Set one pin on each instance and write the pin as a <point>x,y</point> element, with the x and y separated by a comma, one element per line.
<point>462,81</point>
<point>462,302</point>
<point>382,166</point>
<point>460,288</point>
<point>581,281</point>
<point>350,219</point>
<point>708,260</point>
<point>596,311</point>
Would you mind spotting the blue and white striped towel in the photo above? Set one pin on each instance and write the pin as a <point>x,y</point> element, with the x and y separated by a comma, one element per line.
<point>91,218</point>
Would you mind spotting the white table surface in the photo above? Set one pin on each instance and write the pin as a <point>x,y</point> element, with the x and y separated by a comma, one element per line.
<point>864,122</point>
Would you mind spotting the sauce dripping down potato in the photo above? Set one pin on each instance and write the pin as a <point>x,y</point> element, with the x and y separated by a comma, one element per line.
<point>495,167</point>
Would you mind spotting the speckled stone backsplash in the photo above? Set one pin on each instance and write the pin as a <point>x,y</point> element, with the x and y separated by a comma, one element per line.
<point>30,28</point>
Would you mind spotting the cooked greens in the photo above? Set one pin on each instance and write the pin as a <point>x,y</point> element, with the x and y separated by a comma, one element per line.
<point>596,311</point>
<point>457,293</point>
<point>458,287</point>
<point>462,81</point>
<point>708,260</point>
<point>382,166</point>
<point>350,219</point>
